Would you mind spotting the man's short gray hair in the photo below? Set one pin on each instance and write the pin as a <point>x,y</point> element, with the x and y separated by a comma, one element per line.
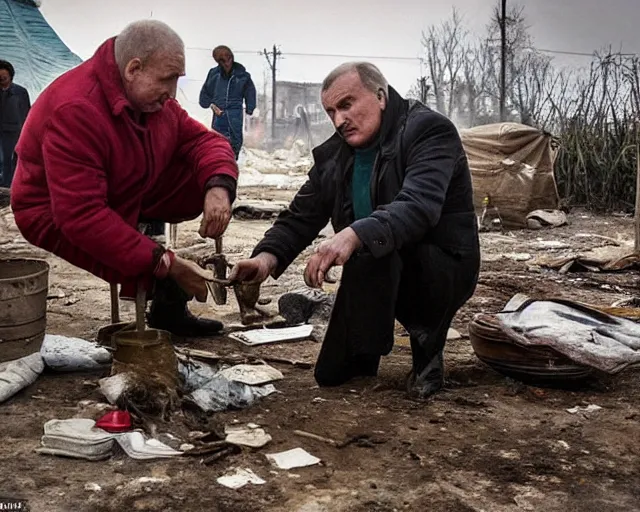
<point>142,39</point>
<point>371,77</point>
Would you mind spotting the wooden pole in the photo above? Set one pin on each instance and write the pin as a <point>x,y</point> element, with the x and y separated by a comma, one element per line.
<point>503,62</point>
<point>637,211</point>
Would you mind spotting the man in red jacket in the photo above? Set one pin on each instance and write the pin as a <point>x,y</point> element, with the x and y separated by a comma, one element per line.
<point>107,146</point>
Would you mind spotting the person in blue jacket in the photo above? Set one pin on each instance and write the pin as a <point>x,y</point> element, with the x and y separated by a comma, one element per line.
<point>226,86</point>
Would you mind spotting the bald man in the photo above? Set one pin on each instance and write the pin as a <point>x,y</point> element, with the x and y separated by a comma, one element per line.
<point>105,147</point>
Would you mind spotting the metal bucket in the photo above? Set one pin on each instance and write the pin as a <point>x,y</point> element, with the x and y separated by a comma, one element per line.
<point>148,353</point>
<point>24,285</point>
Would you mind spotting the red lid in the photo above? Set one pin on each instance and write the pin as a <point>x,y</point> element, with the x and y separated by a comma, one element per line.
<point>115,421</point>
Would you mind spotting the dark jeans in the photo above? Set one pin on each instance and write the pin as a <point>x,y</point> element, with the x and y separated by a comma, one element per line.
<point>423,287</point>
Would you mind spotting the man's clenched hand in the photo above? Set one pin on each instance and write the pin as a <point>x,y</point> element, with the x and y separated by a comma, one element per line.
<point>216,214</point>
<point>335,251</point>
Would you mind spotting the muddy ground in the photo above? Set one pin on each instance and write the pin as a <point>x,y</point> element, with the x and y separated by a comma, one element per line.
<point>486,443</point>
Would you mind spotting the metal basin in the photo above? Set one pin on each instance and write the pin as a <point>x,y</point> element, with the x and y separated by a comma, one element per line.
<point>24,285</point>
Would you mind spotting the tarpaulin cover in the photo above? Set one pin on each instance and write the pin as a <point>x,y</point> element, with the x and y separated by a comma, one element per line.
<point>512,164</point>
<point>29,43</point>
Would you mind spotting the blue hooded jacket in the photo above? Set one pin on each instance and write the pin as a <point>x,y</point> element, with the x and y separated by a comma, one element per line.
<point>228,93</point>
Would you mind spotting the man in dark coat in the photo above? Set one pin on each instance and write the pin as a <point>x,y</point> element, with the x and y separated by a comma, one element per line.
<point>224,90</point>
<point>14,107</point>
<point>395,183</point>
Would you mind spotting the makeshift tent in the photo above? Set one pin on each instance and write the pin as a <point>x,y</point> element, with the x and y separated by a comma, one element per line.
<point>32,46</point>
<point>512,165</point>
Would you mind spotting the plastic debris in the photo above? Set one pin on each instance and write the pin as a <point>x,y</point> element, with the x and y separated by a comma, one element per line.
<point>296,458</point>
<point>62,353</point>
<point>587,409</point>
<point>213,392</point>
<point>251,435</point>
<point>17,375</point>
<point>239,478</point>
<point>75,437</point>
<point>138,447</point>
<point>264,336</point>
<point>252,374</point>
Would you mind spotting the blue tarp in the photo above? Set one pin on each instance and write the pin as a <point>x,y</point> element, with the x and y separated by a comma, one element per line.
<point>32,46</point>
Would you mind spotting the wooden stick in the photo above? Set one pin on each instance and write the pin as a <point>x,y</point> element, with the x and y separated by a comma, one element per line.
<point>316,437</point>
<point>115,304</point>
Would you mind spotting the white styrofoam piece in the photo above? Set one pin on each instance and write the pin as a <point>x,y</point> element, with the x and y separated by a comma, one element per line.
<point>263,336</point>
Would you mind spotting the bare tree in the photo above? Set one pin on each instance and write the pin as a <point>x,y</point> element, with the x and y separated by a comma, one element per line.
<point>444,48</point>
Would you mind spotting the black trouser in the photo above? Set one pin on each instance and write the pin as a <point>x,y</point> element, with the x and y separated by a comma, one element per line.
<point>423,287</point>
<point>9,160</point>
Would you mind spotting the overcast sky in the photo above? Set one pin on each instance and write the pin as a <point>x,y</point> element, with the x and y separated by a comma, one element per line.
<point>347,27</point>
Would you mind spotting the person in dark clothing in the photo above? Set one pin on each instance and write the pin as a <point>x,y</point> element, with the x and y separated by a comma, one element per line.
<point>14,107</point>
<point>224,90</point>
<point>395,183</point>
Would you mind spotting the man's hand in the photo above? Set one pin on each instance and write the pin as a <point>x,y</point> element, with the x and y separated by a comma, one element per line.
<point>216,110</point>
<point>254,270</point>
<point>216,214</point>
<point>190,277</point>
<point>335,251</point>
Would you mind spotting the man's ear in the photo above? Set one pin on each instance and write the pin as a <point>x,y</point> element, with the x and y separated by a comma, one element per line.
<point>382,99</point>
<point>133,67</point>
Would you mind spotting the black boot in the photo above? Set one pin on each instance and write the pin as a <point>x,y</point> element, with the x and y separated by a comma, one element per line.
<point>169,312</point>
<point>424,382</point>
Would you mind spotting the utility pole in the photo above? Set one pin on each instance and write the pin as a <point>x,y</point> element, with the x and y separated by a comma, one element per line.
<point>503,61</point>
<point>272,59</point>
<point>424,89</point>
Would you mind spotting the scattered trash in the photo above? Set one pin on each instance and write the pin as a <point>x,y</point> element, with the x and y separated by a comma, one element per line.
<point>252,436</point>
<point>239,478</point>
<point>62,353</point>
<point>539,219</point>
<point>252,375</point>
<point>554,339</point>
<point>263,336</point>
<point>113,387</point>
<point>115,421</point>
<point>549,244</point>
<point>564,445</point>
<point>587,409</point>
<point>136,446</point>
<point>600,259</point>
<point>152,480</point>
<point>76,437</point>
<point>213,392</point>
<point>92,487</point>
<point>18,374</point>
<point>296,458</point>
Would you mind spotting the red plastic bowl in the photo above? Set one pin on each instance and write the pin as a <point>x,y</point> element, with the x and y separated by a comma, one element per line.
<point>115,421</point>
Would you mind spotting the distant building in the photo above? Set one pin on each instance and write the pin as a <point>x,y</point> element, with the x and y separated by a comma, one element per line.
<point>298,105</point>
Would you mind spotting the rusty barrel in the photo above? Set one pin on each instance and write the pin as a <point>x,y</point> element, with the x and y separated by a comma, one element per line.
<point>24,285</point>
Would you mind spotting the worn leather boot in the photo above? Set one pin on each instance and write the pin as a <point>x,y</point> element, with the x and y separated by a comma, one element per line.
<point>169,312</point>
<point>427,381</point>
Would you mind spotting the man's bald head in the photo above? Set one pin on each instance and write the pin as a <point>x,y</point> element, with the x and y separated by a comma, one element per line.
<point>150,57</point>
<point>143,39</point>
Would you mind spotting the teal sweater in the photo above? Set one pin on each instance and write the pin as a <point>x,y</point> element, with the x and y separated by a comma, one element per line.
<point>361,182</point>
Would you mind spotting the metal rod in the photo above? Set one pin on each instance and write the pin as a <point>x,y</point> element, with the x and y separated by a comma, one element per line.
<point>141,306</point>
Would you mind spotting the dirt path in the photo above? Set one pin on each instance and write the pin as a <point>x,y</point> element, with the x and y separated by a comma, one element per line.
<point>484,444</point>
